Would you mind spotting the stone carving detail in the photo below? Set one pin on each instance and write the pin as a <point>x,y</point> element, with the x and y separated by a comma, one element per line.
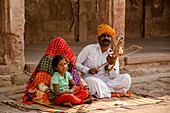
<point>56,9</point>
<point>133,2</point>
<point>16,44</point>
<point>157,8</point>
<point>61,9</point>
<point>14,54</point>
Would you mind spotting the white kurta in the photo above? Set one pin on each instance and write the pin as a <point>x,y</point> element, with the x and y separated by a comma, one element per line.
<point>101,84</point>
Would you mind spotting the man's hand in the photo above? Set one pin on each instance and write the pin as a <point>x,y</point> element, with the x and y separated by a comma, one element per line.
<point>110,59</point>
<point>51,96</point>
<point>93,71</point>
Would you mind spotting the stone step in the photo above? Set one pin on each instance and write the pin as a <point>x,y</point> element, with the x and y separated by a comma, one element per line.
<point>5,78</point>
<point>146,59</point>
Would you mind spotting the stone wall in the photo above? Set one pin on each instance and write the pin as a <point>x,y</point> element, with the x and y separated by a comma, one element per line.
<point>88,21</point>
<point>157,18</point>
<point>2,50</point>
<point>92,21</point>
<point>48,19</point>
<point>77,20</point>
<point>147,18</point>
<point>134,19</point>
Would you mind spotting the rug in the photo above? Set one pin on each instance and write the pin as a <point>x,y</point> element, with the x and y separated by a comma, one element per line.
<point>132,100</point>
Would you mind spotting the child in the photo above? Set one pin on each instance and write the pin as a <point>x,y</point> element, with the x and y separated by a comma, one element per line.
<point>62,85</point>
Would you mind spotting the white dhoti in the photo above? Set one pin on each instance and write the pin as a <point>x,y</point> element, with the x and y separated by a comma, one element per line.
<point>120,84</point>
<point>103,86</point>
<point>97,87</point>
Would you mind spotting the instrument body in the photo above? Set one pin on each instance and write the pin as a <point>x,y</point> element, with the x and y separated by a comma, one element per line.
<point>116,52</point>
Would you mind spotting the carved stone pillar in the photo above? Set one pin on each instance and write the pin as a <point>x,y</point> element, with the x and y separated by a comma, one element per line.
<point>12,34</point>
<point>112,12</point>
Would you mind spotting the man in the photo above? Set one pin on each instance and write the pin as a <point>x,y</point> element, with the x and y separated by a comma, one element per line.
<point>101,83</point>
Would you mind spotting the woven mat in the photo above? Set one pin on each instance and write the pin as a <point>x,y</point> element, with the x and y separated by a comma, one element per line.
<point>133,100</point>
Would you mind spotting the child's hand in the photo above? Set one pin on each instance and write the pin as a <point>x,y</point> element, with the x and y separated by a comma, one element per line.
<point>86,87</point>
<point>51,96</point>
<point>70,91</point>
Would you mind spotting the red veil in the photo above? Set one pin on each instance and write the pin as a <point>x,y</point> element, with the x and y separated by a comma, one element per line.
<point>58,46</point>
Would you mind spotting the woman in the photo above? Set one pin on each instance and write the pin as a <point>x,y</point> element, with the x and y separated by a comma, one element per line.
<point>37,89</point>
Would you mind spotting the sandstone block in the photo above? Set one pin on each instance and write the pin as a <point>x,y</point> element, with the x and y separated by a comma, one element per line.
<point>5,80</point>
<point>5,83</point>
<point>5,77</point>
<point>4,70</point>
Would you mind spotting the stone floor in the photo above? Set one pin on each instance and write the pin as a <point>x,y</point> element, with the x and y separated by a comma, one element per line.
<point>155,85</point>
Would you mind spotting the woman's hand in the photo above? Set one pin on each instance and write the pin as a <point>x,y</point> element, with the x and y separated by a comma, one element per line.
<point>51,96</point>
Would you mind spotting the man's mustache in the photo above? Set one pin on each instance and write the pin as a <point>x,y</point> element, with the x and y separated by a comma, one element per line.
<point>106,40</point>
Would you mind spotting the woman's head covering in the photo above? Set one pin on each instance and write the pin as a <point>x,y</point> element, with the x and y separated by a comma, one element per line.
<point>104,28</point>
<point>58,46</point>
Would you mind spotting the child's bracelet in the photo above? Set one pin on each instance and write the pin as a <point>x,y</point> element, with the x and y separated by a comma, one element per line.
<point>48,91</point>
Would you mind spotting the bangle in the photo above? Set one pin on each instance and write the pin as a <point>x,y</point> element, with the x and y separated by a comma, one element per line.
<point>67,92</point>
<point>48,91</point>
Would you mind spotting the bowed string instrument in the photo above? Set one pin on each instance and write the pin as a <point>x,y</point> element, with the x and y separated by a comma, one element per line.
<point>114,53</point>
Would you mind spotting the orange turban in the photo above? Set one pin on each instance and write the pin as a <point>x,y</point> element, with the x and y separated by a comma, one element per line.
<point>104,28</point>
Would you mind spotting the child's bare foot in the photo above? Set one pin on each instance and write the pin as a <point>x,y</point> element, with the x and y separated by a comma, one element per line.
<point>68,104</point>
<point>89,100</point>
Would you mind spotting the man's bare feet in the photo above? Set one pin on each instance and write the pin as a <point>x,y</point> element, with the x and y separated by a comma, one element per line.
<point>68,104</point>
<point>89,100</point>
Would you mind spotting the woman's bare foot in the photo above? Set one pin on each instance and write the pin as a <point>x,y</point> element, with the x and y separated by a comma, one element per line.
<point>68,104</point>
<point>89,100</point>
